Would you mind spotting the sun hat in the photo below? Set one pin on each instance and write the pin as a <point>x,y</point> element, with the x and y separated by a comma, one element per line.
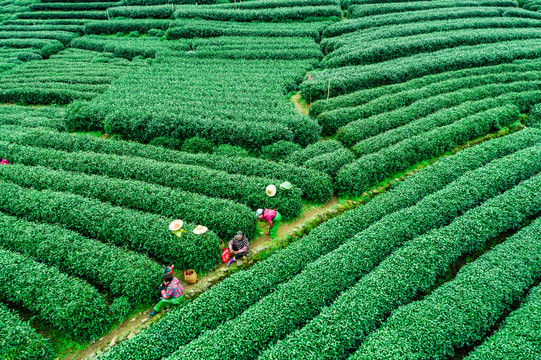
<point>286,185</point>
<point>271,190</point>
<point>176,225</point>
<point>259,212</point>
<point>200,229</point>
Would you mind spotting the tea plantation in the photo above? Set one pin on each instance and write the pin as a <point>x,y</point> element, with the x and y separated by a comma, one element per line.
<point>410,130</point>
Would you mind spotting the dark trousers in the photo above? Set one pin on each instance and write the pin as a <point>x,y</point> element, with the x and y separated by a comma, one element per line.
<point>239,255</point>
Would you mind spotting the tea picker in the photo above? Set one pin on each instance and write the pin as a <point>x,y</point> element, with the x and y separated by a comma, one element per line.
<point>238,246</point>
<point>272,216</point>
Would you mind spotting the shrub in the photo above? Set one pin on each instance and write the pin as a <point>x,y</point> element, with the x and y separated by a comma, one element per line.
<point>133,34</point>
<point>28,56</point>
<point>156,33</point>
<point>330,163</point>
<point>19,341</point>
<point>142,12</point>
<point>167,142</point>
<point>319,148</point>
<point>197,145</point>
<point>534,117</point>
<point>80,312</point>
<point>279,150</point>
<point>231,151</point>
<point>245,288</point>
<point>370,169</point>
<point>122,272</point>
<point>114,26</point>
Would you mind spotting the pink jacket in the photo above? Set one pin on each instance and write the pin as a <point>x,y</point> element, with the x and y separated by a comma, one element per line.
<point>174,289</point>
<point>269,215</point>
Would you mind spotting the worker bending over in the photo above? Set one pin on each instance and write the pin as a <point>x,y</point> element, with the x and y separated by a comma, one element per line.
<point>273,218</point>
<point>172,295</point>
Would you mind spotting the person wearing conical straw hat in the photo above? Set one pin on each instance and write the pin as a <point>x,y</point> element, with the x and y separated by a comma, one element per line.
<point>273,218</point>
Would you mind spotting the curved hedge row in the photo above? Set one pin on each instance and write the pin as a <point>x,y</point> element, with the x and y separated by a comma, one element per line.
<point>19,341</point>
<point>357,11</point>
<point>95,15</point>
<point>162,2</point>
<point>361,97</point>
<point>441,118</point>
<point>329,45</point>
<point>206,29</point>
<point>299,157</point>
<point>348,79</point>
<point>315,185</point>
<point>63,36</point>
<point>468,306</point>
<point>73,6</point>
<point>265,4</point>
<point>29,43</point>
<point>413,268</point>
<point>518,336</point>
<point>451,89</point>
<point>63,302</point>
<point>141,232</point>
<point>45,28</point>
<point>44,22</point>
<point>125,25</point>
<point>122,272</point>
<point>247,190</point>
<point>294,303</point>
<point>330,163</point>
<point>359,130</point>
<point>236,293</point>
<point>221,216</point>
<point>142,12</point>
<point>392,48</point>
<point>370,169</point>
<point>264,15</point>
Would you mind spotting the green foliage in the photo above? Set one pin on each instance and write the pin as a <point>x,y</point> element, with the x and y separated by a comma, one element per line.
<point>279,150</point>
<point>203,29</point>
<point>141,232</point>
<point>442,117</point>
<point>167,142</point>
<point>246,190</point>
<point>28,43</point>
<point>236,293</point>
<point>534,117</point>
<point>315,186</point>
<point>471,304</point>
<point>162,2</point>
<point>519,333</point>
<point>340,328</point>
<point>142,12</point>
<point>167,102</point>
<point>19,341</point>
<point>28,56</point>
<point>352,78</point>
<point>311,151</point>
<point>72,6</point>
<point>121,272</point>
<point>231,151</point>
<point>357,11</point>
<point>197,145</point>
<point>30,117</point>
<point>330,163</point>
<point>219,215</point>
<point>306,294</point>
<point>63,36</point>
<point>95,15</point>
<point>528,92</point>
<point>125,25</point>
<point>61,301</point>
<point>265,4</point>
<point>156,33</point>
<point>264,15</point>
<point>370,169</point>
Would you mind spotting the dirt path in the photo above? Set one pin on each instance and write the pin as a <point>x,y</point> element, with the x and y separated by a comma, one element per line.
<point>129,327</point>
<point>302,108</point>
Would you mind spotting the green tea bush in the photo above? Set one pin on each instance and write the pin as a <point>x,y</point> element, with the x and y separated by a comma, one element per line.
<point>205,28</point>
<point>30,117</point>
<point>374,125</point>
<point>28,56</point>
<point>246,190</point>
<point>19,341</point>
<point>319,148</point>
<point>61,301</point>
<point>167,142</point>
<point>161,2</point>
<point>411,269</point>
<point>231,151</point>
<point>122,272</point>
<point>315,185</point>
<point>368,170</point>
<point>141,232</point>
<point>386,49</point>
<point>357,11</point>
<point>518,334</point>
<point>156,33</point>
<point>63,36</point>
<point>263,15</point>
<point>279,150</point>
<point>330,163</point>
<point>45,22</point>
<point>72,6</point>
<point>263,4</point>
<point>351,78</point>
<point>197,145</point>
<point>452,88</point>
<point>439,118</point>
<point>328,45</point>
<point>142,12</point>
<point>534,117</point>
<point>95,15</point>
<point>51,49</point>
<point>306,294</point>
<point>468,306</point>
<point>361,97</point>
<point>245,288</point>
<point>125,25</point>
<point>221,216</point>
<point>28,43</point>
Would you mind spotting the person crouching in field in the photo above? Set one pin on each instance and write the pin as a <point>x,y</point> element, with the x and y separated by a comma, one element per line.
<point>273,218</point>
<point>238,246</point>
<point>172,295</point>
